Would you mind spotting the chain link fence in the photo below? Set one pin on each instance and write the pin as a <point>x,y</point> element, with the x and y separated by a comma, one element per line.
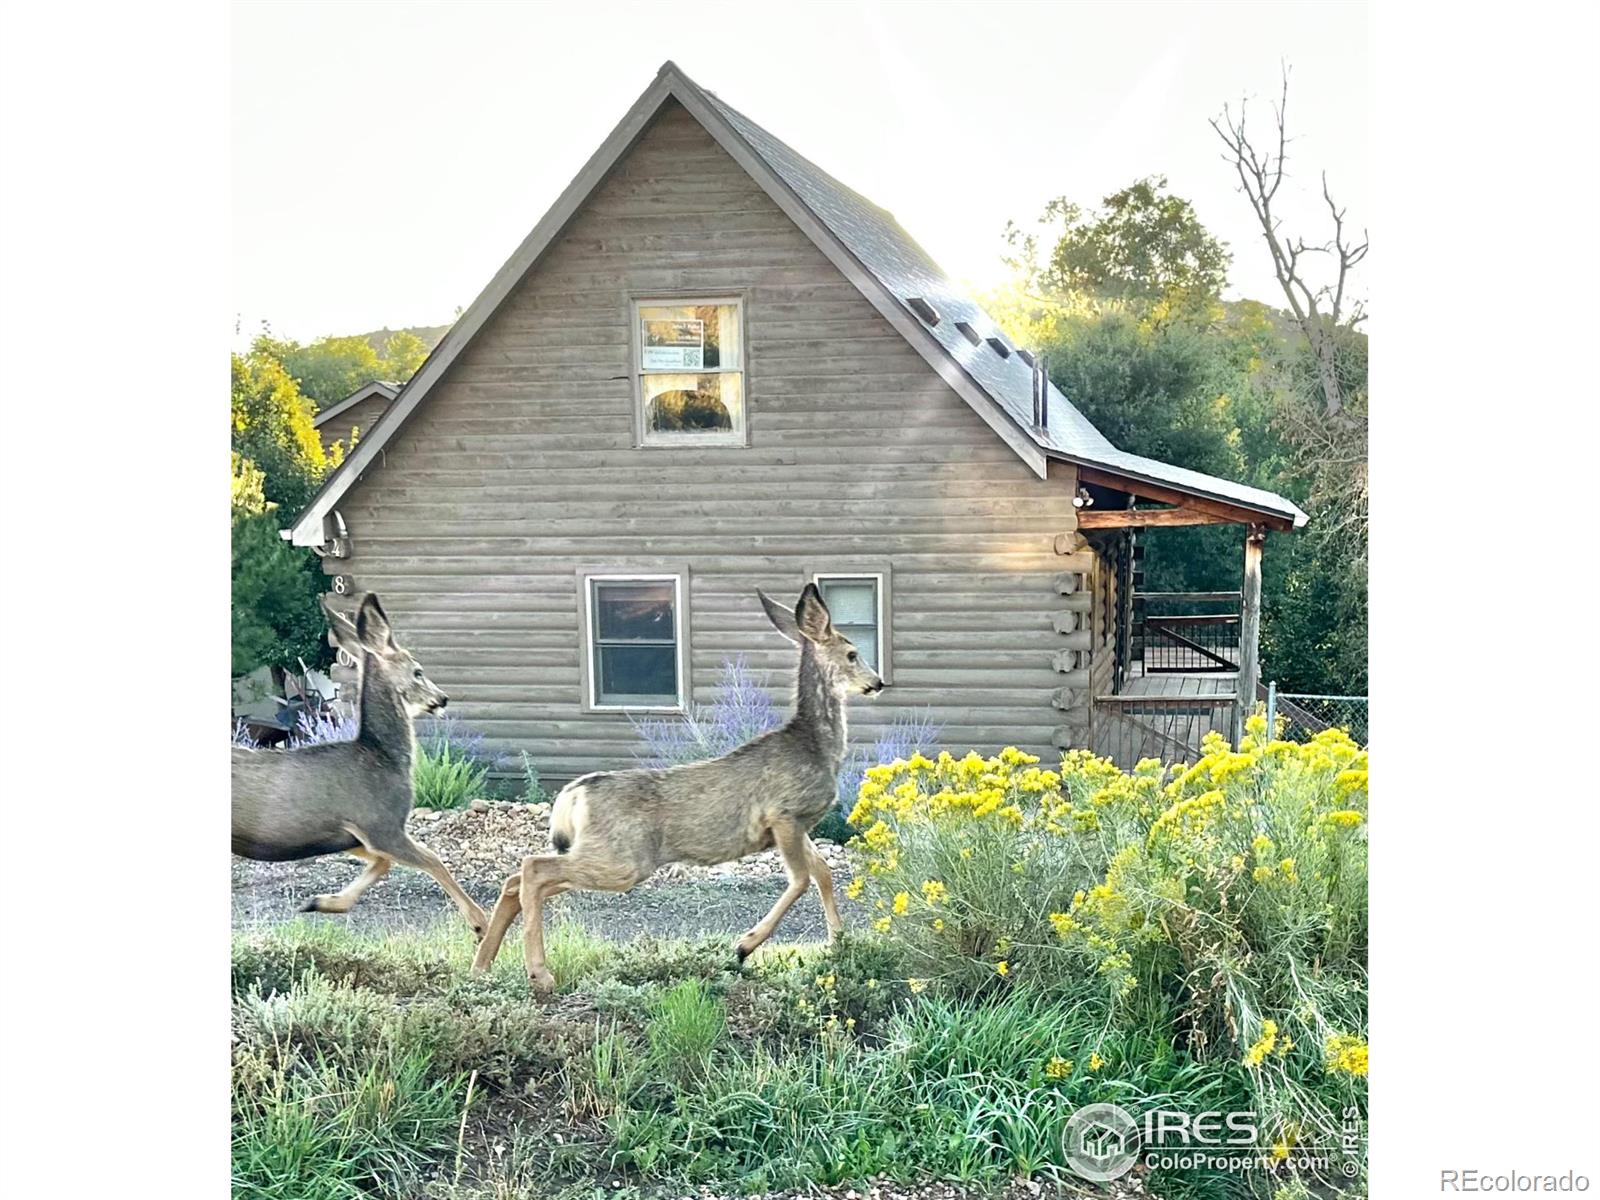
<point>1304,715</point>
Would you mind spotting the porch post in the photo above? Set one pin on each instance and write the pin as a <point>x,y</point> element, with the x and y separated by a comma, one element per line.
<point>1250,626</point>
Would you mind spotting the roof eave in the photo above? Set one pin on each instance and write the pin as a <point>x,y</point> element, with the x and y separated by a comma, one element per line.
<point>365,392</point>
<point>1286,519</point>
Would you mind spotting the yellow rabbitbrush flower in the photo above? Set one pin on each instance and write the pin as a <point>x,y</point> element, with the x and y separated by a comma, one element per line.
<point>1156,857</point>
<point>1344,818</point>
<point>1058,1068</point>
<point>1344,1052</point>
<point>855,887</point>
<point>1188,817</point>
<point>1263,1046</point>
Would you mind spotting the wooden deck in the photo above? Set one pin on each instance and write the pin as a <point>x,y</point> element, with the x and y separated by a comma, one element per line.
<point>1208,684</point>
<point>1163,716</point>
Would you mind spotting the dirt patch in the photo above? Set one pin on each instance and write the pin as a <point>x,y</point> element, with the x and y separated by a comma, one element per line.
<point>482,845</point>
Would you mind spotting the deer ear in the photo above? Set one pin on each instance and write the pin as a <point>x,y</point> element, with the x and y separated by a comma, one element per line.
<point>343,630</point>
<point>372,625</point>
<point>811,615</point>
<point>782,619</point>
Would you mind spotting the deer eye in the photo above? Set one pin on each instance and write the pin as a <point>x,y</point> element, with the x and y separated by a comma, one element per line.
<point>417,674</point>
<point>853,656</point>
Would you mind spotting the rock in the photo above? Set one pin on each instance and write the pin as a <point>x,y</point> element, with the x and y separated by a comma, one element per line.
<point>479,805</point>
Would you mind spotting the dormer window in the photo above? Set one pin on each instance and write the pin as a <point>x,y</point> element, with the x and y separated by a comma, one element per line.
<point>689,372</point>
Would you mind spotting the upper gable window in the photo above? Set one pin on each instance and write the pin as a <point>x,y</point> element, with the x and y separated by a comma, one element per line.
<point>688,357</point>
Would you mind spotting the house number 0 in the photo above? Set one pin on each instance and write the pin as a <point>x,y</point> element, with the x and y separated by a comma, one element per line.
<point>346,659</point>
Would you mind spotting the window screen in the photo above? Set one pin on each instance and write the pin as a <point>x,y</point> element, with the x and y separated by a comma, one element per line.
<point>853,602</point>
<point>634,642</point>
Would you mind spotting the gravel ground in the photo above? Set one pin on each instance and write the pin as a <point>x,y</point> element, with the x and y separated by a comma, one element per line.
<point>483,844</point>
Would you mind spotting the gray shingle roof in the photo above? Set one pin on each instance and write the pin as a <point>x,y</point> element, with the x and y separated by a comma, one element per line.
<point>864,241</point>
<point>878,242</point>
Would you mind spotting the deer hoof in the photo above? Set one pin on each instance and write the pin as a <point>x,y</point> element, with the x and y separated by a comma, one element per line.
<point>541,981</point>
<point>312,905</point>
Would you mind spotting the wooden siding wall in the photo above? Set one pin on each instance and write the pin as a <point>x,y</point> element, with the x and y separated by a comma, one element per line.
<point>359,416</point>
<point>520,469</point>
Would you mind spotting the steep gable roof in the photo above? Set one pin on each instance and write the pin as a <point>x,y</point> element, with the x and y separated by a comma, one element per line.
<point>886,265</point>
<point>378,387</point>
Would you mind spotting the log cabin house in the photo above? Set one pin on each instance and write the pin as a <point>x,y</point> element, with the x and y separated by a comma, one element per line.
<point>351,417</point>
<point>712,367</point>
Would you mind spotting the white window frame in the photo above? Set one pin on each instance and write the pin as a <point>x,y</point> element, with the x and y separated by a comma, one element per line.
<point>643,436</point>
<point>880,580</point>
<point>586,597</point>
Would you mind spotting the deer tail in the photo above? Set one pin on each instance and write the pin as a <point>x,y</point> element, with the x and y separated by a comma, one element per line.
<point>566,815</point>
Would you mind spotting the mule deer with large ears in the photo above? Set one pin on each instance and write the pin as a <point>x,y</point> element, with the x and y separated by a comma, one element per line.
<point>348,796</point>
<point>613,828</point>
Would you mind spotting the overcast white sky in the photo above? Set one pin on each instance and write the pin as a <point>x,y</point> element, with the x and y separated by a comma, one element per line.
<point>388,157</point>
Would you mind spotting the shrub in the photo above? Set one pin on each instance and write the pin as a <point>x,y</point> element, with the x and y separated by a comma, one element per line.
<point>438,734</point>
<point>904,736</point>
<point>316,729</point>
<point>446,778</point>
<point>740,709</point>
<point>532,786</point>
<point>1224,902</point>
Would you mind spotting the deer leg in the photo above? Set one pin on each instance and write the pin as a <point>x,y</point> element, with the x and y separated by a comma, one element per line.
<point>342,902</point>
<point>535,884</point>
<point>414,854</point>
<point>822,876</point>
<point>791,843</point>
<point>505,911</point>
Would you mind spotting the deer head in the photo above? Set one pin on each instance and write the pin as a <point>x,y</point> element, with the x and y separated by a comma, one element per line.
<point>810,627</point>
<point>369,639</point>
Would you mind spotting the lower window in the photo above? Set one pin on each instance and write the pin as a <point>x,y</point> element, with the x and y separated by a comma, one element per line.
<point>633,637</point>
<point>855,602</point>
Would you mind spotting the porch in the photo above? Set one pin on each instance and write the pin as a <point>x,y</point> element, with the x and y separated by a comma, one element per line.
<point>1178,679</point>
<point>1163,669</point>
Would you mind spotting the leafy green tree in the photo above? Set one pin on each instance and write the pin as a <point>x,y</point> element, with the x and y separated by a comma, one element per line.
<point>403,353</point>
<point>330,368</point>
<point>277,620</point>
<point>1125,304</point>
<point>1143,244</point>
<point>272,429</point>
<point>278,462</point>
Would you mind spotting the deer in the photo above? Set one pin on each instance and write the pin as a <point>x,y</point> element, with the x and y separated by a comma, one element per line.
<point>351,796</point>
<point>611,829</point>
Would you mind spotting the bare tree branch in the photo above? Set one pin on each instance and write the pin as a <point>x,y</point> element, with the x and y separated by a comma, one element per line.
<point>1318,311</point>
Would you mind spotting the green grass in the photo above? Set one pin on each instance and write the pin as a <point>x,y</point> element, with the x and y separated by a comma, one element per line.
<point>312,1129</point>
<point>687,1023</point>
<point>661,1067</point>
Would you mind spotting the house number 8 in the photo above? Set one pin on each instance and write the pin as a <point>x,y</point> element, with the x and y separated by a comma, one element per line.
<point>340,584</point>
